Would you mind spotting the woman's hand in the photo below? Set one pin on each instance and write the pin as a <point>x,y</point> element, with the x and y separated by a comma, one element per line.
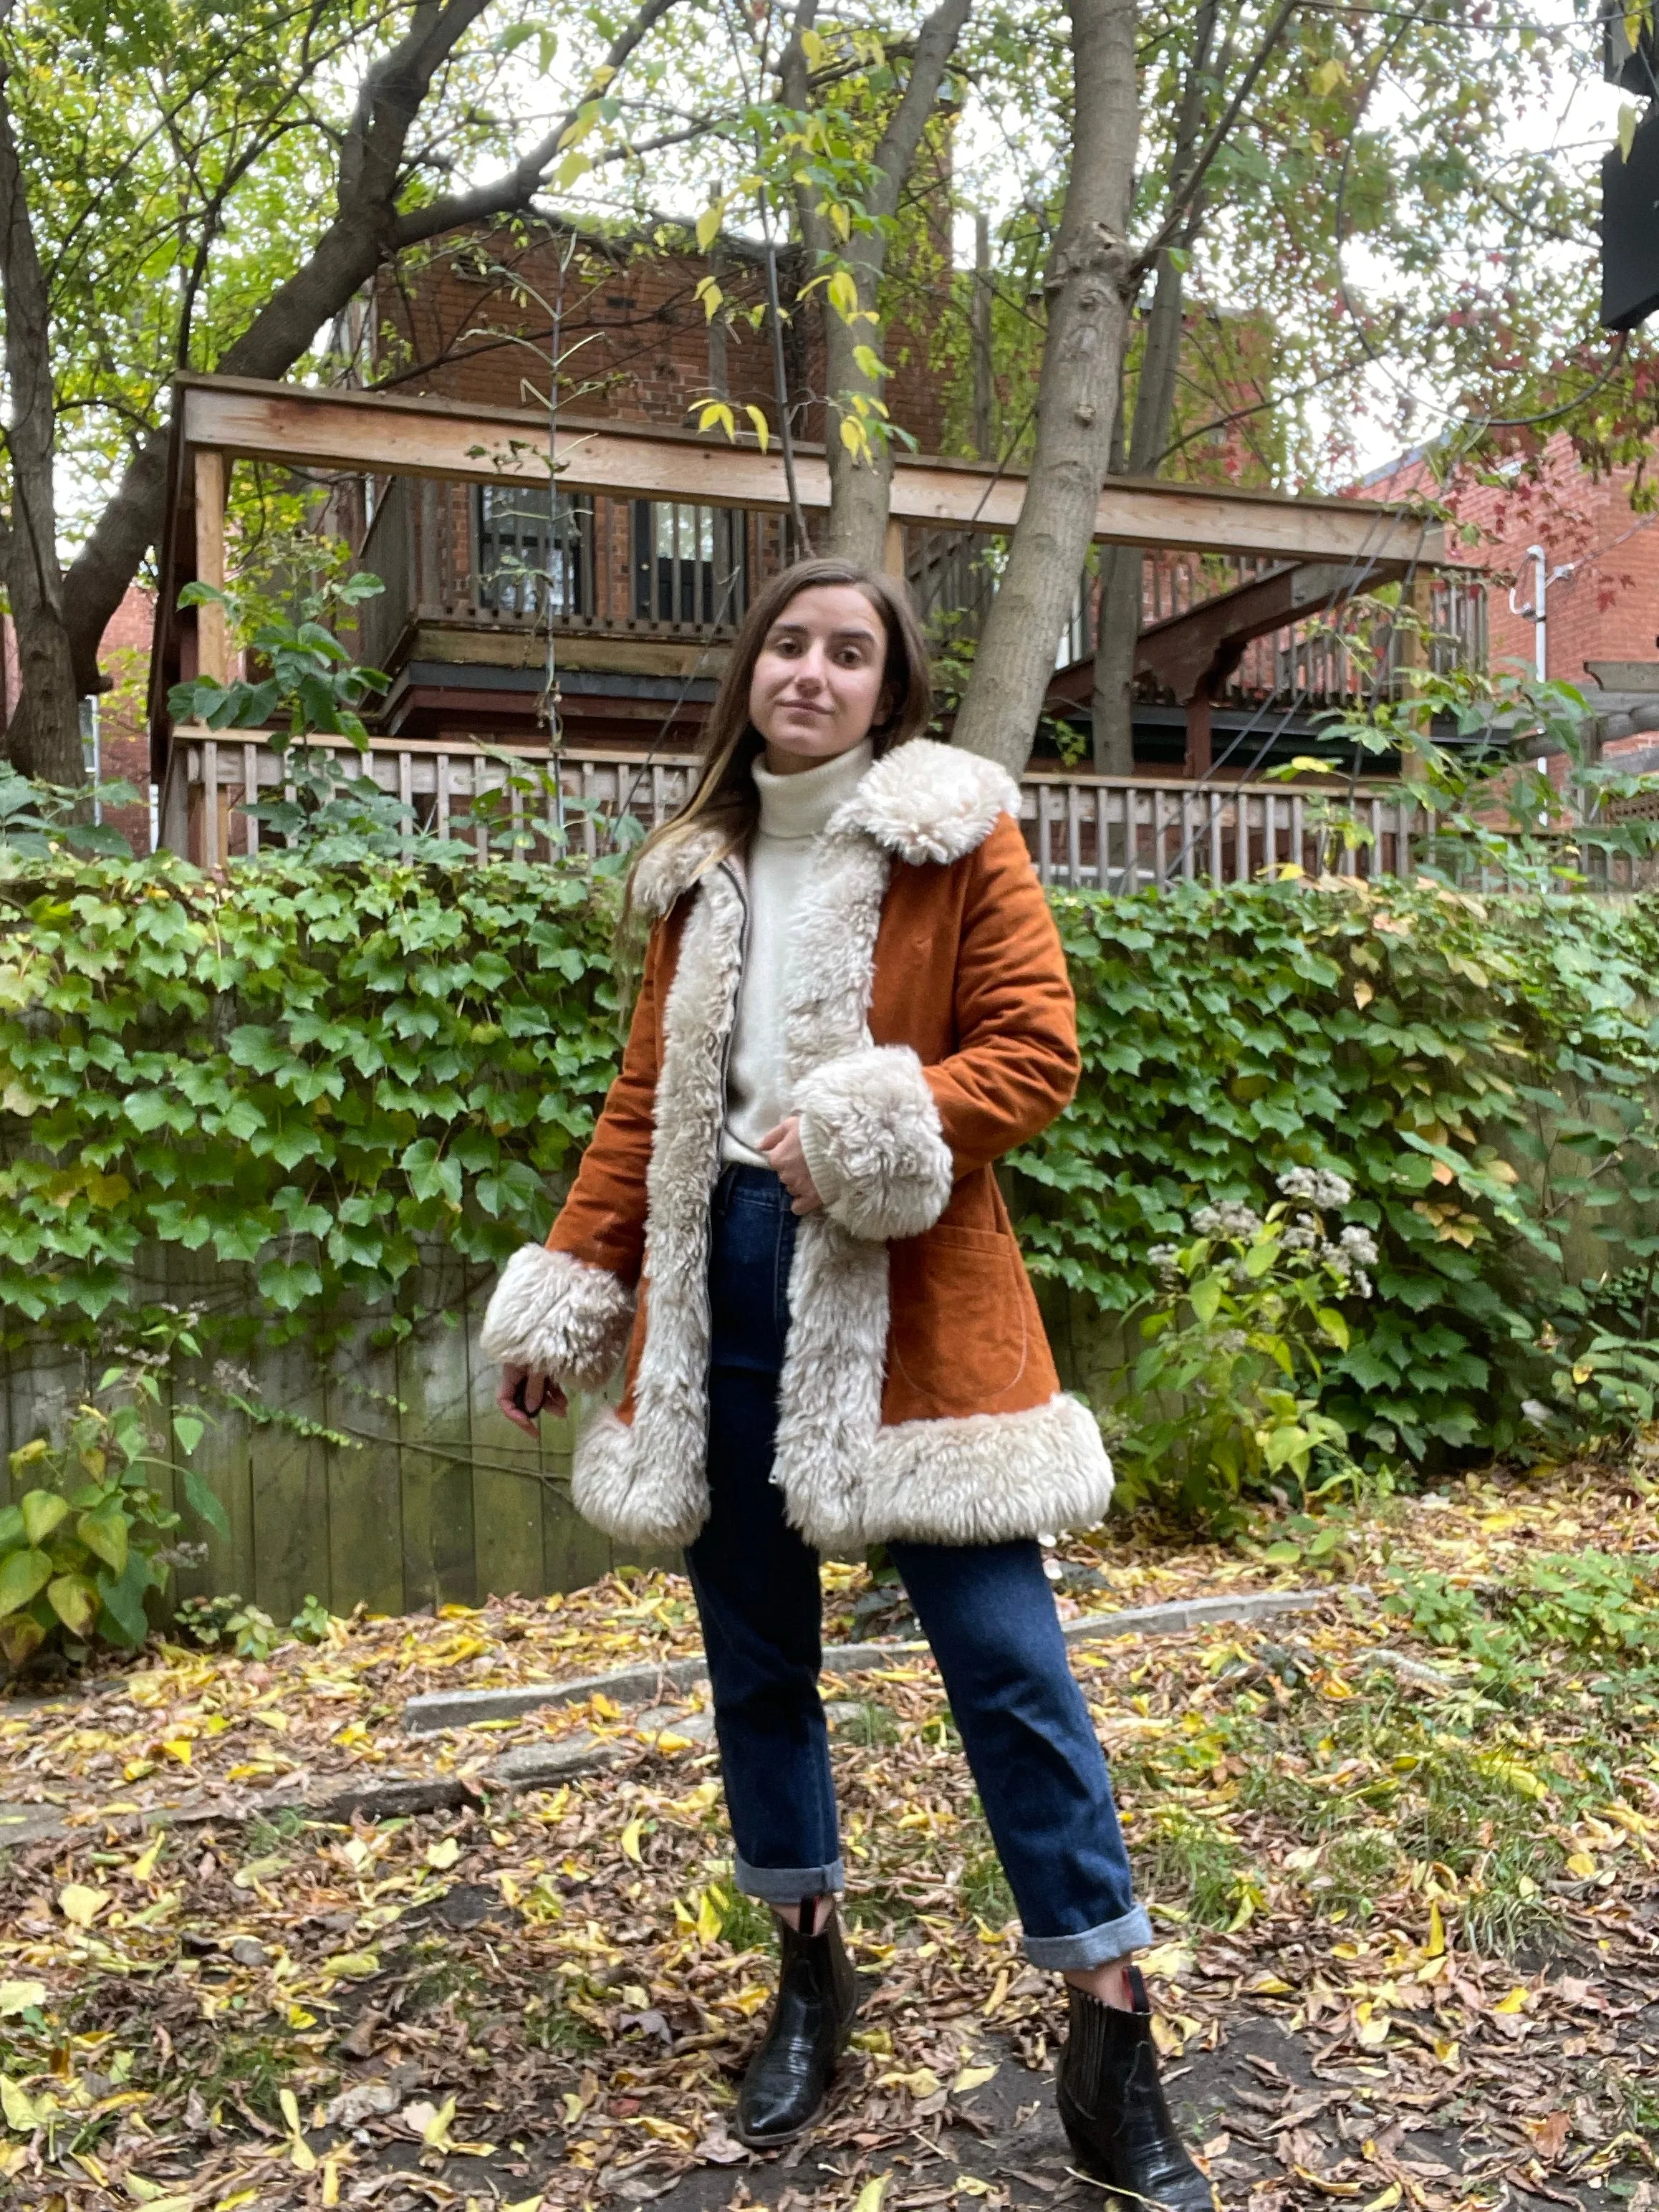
<point>524,1396</point>
<point>782,1149</point>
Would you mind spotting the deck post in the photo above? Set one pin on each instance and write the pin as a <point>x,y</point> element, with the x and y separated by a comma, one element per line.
<point>892,549</point>
<point>212,637</point>
<point>1199,709</point>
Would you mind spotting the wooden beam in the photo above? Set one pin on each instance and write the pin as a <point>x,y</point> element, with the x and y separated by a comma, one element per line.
<point>1198,650</point>
<point>362,433</point>
<point>212,640</point>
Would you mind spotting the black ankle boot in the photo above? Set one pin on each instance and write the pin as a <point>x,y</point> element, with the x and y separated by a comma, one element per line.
<point>1112,2105</point>
<point>790,2074</point>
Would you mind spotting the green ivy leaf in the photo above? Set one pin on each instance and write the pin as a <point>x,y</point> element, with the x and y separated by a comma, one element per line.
<point>42,1511</point>
<point>23,1575</point>
<point>106,1533</point>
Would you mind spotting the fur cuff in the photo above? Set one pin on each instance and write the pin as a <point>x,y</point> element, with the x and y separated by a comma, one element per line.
<point>557,1315</point>
<point>870,1129</point>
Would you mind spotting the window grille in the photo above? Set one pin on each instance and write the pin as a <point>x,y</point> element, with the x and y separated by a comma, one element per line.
<point>532,549</point>
<point>689,564</point>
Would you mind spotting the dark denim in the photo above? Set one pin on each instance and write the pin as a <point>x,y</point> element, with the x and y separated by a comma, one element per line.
<point>987,1611</point>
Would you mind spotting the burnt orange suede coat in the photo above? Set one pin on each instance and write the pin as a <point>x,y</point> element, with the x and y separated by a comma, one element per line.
<point>931,1028</point>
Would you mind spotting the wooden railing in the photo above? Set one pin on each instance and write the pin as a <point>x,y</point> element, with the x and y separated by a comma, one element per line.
<point>1118,833</point>
<point>516,558</point>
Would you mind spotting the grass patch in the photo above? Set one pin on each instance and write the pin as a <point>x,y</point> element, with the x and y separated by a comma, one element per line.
<point>1183,1859</point>
<point>985,1890</point>
<point>1357,1870</point>
<point>549,2027</point>
<point>872,1727</point>
<point>746,1923</point>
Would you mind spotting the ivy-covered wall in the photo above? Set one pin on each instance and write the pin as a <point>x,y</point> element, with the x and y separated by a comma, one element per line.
<point>315,1107</point>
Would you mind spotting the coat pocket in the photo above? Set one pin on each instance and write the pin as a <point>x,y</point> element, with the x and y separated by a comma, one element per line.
<point>957,1325</point>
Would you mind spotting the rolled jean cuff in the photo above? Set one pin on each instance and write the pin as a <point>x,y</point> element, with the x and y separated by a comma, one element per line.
<point>793,1885</point>
<point>1095,1946</point>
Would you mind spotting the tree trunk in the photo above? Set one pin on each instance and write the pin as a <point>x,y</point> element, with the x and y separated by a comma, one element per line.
<point>858,452</point>
<point>368,230</point>
<point>1089,283</point>
<point>1122,567</point>
<point>45,736</point>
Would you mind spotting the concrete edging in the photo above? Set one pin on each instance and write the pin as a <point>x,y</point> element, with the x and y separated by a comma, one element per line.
<point>439,1709</point>
<point>541,1767</point>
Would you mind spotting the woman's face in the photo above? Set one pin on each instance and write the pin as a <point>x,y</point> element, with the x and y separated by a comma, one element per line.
<point>817,685</point>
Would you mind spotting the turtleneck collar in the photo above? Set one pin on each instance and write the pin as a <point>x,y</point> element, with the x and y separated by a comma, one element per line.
<point>798,805</point>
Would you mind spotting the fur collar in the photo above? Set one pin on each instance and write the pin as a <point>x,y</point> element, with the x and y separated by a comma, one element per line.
<point>922,802</point>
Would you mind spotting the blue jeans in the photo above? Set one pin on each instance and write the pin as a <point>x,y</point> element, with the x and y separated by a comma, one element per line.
<point>987,1610</point>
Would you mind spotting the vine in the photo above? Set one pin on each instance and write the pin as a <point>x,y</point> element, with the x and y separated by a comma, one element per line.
<point>309,1072</point>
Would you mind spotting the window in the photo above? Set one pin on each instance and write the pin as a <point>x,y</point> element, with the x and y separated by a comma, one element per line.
<point>531,549</point>
<point>689,563</point>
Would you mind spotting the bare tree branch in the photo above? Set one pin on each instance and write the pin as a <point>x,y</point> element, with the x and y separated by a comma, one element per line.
<point>1186,189</point>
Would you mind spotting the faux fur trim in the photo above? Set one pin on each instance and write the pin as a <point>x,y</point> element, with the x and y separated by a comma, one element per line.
<point>668,871</point>
<point>870,1129</point>
<point>645,1481</point>
<point>925,801</point>
<point>616,1488</point>
<point>922,801</point>
<point>835,1355</point>
<point>983,1479</point>
<point>555,1315</point>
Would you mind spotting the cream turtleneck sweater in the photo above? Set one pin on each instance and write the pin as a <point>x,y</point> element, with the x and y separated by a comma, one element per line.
<point>794,810</point>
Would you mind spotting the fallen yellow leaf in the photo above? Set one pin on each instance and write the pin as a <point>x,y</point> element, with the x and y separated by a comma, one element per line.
<point>178,1746</point>
<point>19,1996</point>
<point>1169,1962</point>
<point>630,1841</point>
<point>1436,1947</point>
<point>869,2197</point>
<point>1514,2001</point>
<point>144,1865</point>
<point>443,1854</point>
<point>19,2109</point>
<point>971,2077</point>
<point>1582,1864</point>
<point>80,1905</point>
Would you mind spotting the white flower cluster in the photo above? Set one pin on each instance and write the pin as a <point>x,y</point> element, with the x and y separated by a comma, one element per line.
<point>1235,1219</point>
<point>1317,1185</point>
<point>1164,1258</point>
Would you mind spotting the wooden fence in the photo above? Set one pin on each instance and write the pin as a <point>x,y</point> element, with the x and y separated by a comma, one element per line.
<point>1120,833</point>
<point>383,1475</point>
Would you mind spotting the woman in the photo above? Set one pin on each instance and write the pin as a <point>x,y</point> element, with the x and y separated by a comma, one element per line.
<point>854,1002</point>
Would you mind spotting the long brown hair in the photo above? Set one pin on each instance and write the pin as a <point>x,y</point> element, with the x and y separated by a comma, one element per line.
<point>725,792</point>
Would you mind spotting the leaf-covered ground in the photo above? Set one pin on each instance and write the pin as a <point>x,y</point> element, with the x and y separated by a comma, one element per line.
<point>1402,1863</point>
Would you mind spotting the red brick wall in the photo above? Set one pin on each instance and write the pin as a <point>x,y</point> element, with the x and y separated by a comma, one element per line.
<point>1607,608</point>
<point>633,335</point>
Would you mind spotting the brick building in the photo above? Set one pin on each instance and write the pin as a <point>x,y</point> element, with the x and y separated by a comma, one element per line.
<point>643,594</point>
<point>1600,566</point>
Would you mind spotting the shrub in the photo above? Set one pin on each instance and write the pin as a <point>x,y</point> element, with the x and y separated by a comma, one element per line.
<point>1478,1071</point>
<point>1225,1399</point>
<point>90,1535</point>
